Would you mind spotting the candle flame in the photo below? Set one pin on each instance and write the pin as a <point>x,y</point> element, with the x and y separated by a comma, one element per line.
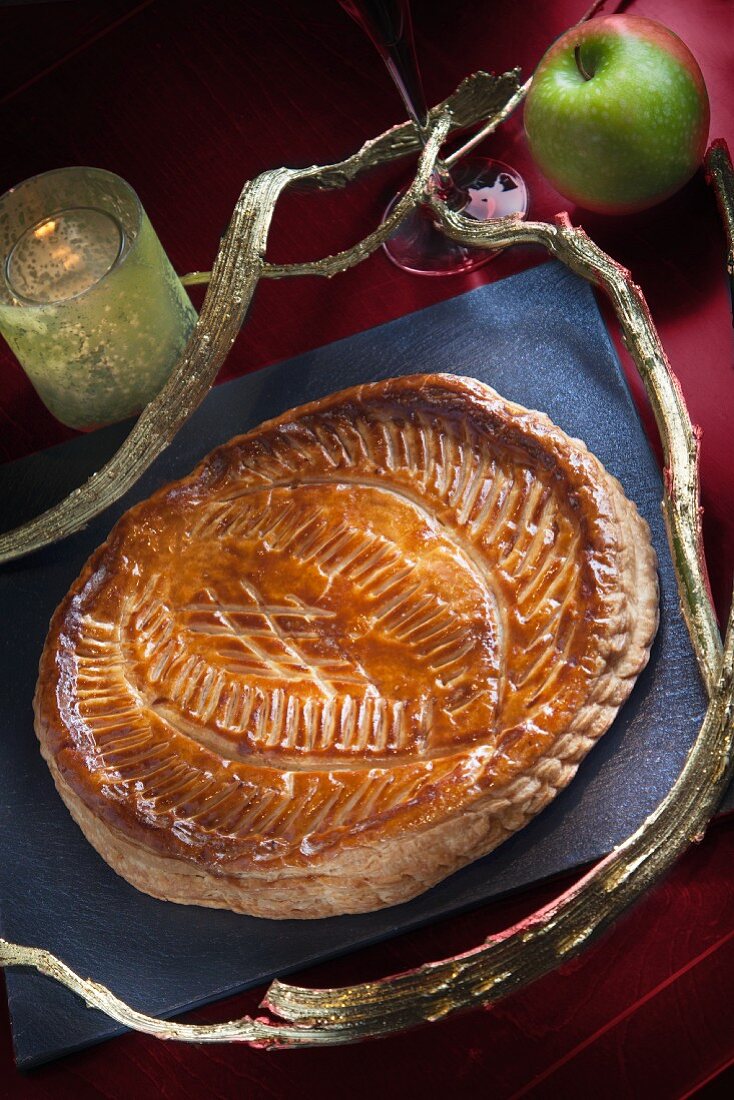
<point>66,257</point>
<point>45,230</point>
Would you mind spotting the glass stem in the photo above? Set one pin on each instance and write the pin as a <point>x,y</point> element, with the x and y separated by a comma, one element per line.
<point>389,25</point>
<point>411,93</point>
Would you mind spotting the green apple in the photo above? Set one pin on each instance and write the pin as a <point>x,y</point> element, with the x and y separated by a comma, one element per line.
<point>617,115</point>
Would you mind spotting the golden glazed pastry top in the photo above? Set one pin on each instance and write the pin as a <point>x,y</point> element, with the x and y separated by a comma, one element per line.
<point>347,627</point>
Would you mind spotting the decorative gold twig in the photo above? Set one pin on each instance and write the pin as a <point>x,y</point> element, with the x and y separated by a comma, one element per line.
<point>491,126</point>
<point>517,956</point>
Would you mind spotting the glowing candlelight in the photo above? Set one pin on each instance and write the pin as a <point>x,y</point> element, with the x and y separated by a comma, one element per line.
<point>64,255</point>
<point>88,300</point>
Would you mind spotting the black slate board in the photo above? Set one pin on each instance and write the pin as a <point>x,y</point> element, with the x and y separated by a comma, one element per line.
<point>537,338</point>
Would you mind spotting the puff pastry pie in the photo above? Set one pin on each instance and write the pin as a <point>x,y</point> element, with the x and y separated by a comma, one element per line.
<point>353,651</point>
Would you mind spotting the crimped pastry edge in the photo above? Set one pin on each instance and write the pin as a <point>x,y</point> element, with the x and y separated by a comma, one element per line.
<point>386,872</point>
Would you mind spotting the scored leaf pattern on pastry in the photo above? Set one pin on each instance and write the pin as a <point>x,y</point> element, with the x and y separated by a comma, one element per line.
<point>359,612</point>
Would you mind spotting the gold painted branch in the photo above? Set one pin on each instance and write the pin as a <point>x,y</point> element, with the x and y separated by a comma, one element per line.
<point>521,954</point>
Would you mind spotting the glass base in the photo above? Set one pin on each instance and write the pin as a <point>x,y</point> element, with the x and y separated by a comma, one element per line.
<point>484,189</point>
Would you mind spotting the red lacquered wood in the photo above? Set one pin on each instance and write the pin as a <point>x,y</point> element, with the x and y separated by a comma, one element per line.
<point>186,100</point>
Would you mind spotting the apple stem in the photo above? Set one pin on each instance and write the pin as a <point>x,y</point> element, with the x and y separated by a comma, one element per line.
<point>579,64</point>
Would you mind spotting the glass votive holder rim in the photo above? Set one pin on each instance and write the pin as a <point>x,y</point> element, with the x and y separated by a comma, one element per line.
<point>17,301</point>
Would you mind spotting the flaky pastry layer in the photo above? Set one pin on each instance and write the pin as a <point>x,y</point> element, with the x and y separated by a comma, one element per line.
<point>353,651</point>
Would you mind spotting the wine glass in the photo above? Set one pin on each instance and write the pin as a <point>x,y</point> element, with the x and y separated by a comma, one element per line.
<point>476,187</point>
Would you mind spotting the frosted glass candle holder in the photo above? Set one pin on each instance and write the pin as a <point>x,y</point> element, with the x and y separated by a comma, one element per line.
<point>89,302</point>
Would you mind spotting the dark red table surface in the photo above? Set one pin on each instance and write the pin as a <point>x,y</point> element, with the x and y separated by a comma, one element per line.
<point>186,100</point>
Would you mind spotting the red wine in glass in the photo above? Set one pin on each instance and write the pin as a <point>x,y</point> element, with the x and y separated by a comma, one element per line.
<point>476,187</point>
